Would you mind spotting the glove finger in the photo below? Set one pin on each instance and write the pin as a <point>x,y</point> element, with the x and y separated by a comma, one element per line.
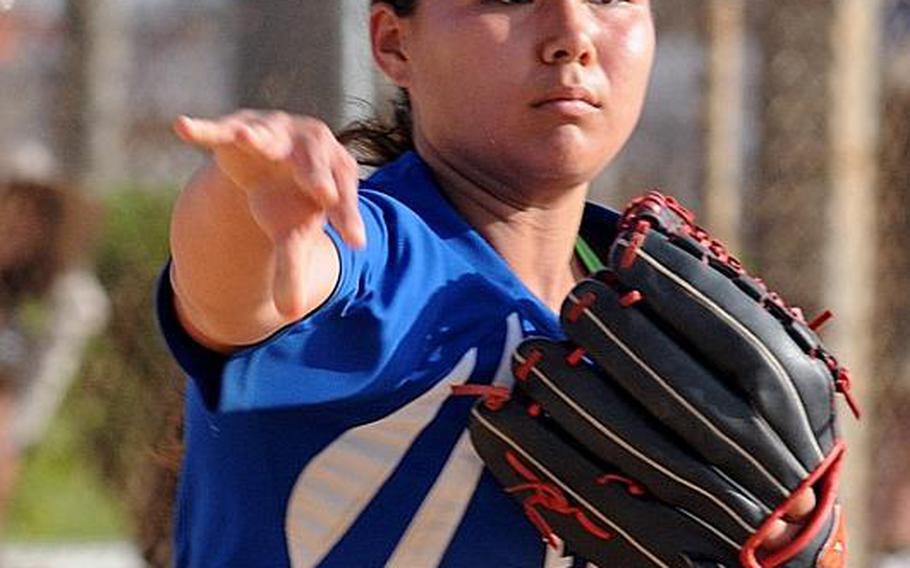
<point>740,338</point>
<point>558,487</point>
<point>714,420</point>
<point>613,427</point>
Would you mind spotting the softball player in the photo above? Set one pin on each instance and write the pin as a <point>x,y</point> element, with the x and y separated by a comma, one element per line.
<point>323,321</point>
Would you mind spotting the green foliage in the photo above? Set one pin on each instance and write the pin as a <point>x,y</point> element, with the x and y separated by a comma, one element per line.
<point>131,386</point>
<point>59,495</point>
<point>120,423</point>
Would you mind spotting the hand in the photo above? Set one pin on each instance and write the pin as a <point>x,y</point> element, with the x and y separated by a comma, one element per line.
<point>295,176</point>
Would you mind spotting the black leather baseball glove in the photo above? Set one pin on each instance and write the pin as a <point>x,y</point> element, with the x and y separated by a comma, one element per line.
<point>685,410</point>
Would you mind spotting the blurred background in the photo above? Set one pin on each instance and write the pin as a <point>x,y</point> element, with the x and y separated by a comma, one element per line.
<point>784,123</point>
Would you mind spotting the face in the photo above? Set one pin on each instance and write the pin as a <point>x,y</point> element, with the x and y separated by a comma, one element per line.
<point>532,91</point>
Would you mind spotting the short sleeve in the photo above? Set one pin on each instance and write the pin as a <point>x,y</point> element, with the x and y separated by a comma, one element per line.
<point>333,356</point>
<point>198,362</point>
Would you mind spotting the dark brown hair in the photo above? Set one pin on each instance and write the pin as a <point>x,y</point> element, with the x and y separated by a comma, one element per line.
<point>377,141</point>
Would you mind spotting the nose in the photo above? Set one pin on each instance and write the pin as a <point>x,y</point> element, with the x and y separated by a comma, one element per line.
<point>568,38</point>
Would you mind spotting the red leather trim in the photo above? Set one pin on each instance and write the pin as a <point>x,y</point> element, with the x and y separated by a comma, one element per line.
<point>834,553</point>
<point>830,471</point>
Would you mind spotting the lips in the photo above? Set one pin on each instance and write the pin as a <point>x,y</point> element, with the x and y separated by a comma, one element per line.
<point>568,95</point>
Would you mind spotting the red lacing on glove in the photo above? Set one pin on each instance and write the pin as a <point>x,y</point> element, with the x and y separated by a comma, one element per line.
<point>586,301</point>
<point>717,248</point>
<point>549,497</point>
<point>639,234</point>
<point>844,386</point>
<point>645,211</point>
<point>820,320</point>
<point>842,380</point>
<point>532,360</point>
<point>826,478</point>
<point>630,298</point>
<point>493,397</point>
<point>648,206</point>
<point>631,486</point>
<point>576,357</point>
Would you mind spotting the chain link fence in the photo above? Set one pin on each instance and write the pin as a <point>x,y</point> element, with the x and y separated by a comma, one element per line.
<point>891,498</point>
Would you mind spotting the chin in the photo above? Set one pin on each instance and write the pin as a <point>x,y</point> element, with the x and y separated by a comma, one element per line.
<point>570,161</point>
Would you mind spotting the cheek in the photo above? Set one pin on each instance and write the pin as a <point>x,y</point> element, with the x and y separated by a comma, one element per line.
<point>470,75</point>
<point>631,54</point>
<point>458,47</point>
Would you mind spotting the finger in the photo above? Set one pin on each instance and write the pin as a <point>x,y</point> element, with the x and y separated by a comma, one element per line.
<point>782,532</point>
<point>780,535</point>
<point>803,504</point>
<point>265,139</point>
<point>313,174</point>
<point>345,216</point>
<point>256,140</point>
<point>204,133</point>
<point>290,261</point>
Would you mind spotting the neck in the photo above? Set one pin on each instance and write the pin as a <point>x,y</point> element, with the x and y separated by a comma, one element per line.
<point>533,228</point>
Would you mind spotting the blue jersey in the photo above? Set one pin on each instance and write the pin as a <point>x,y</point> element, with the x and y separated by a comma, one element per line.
<point>336,442</point>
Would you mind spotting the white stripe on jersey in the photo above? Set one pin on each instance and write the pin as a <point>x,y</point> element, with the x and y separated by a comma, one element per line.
<point>338,484</point>
<point>433,527</point>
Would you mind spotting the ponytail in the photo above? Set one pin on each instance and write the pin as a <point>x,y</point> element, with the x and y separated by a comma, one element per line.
<point>375,141</point>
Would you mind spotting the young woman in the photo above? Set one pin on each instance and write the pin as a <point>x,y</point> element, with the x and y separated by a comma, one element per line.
<point>323,321</point>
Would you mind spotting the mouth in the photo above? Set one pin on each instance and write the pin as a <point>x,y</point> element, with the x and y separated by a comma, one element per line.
<point>570,96</point>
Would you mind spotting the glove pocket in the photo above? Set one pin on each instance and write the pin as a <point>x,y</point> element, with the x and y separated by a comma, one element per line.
<point>742,330</point>
<point>680,391</point>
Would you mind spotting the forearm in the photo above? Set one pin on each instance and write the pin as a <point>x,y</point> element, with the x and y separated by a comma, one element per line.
<point>224,265</point>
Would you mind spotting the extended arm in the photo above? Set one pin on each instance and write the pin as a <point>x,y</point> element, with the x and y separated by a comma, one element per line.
<point>250,253</point>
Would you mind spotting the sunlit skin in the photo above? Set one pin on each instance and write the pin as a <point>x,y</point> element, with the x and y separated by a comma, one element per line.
<point>481,73</point>
<point>517,106</point>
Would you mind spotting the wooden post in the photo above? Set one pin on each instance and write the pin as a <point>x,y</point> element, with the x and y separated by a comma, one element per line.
<point>93,115</point>
<point>850,243</point>
<point>724,119</point>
